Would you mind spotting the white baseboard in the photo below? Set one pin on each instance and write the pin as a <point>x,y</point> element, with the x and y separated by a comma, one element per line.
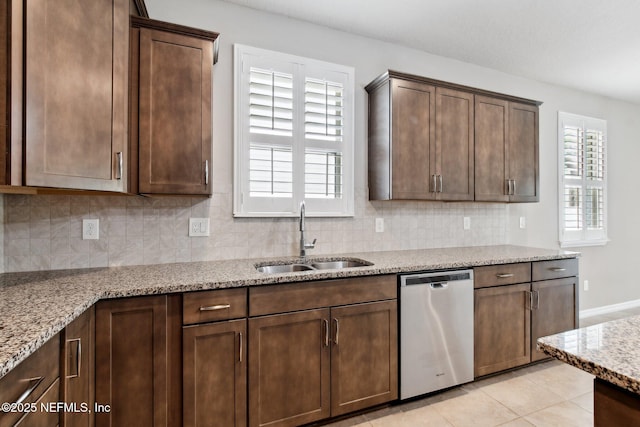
<point>609,308</point>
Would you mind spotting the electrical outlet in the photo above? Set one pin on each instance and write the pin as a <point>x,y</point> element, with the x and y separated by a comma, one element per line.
<point>586,285</point>
<point>466,223</point>
<point>379,225</point>
<point>90,229</point>
<point>523,222</point>
<point>198,227</point>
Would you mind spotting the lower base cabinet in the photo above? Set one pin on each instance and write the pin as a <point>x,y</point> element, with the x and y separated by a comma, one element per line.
<point>78,369</point>
<point>515,304</point>
<point>315,364</point>
<point>137,374</point>
<point>215,374</point>
<point>502,337</point>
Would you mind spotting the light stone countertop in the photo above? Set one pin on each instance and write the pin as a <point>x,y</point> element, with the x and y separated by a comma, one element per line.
<point>609,350</point>
<point>35,306</point>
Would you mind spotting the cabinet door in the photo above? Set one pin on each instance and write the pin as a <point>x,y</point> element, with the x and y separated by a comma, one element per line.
<point>76,78</point>
<point>523,152</point>
<point>78,368</point>
<point>413,140</point>
<point>364,356</point>
<point>554,310</point>
<point>454,144</point>
<point>174,113</point>
<point>491,118</point>
<point>215,374</point>
<point>132,361</point>
<point>289,368</point>
<point>502,328</point>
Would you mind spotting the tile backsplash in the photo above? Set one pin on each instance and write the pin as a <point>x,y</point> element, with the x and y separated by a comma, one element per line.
<point>45,232</point>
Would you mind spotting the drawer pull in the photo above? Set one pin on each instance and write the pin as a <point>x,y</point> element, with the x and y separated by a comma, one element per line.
<point>504,275</point>
<point>78,356</point>
<point>215,307</point>
<point>33,384</point>
<point>240,347</point>
<point>557,269</point>
<point>326,332</point>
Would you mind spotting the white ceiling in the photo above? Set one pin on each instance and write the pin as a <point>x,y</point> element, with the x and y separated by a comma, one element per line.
<point>591,45</point>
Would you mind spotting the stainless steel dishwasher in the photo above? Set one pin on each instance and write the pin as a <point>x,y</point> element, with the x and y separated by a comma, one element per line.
<point>436,331</point>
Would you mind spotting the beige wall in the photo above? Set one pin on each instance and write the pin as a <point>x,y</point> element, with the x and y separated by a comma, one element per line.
<point>44,232</point>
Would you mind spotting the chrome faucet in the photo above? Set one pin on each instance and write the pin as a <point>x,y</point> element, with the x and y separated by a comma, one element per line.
<point>303,244</point>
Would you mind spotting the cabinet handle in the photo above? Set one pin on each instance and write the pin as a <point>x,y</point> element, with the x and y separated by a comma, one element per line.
<point>440,179</point>
<point>537,306</point>
<point>337,330</point>
<point>504,275</point>
<point>514,188</point>
<point>215,307</point>
<point>530,300</point>
<point>119,169</point>
<point>326,332</point>
<point>33,384</point>
<point>435,184</point>
<point>240,347</point>
<point>78,356</point>
<point>557,269</point>
<point>508,187</point>
<point>206,172</point>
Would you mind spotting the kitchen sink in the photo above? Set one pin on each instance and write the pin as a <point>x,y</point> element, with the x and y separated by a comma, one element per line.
<point>283,268</point>
<point>328,265</point>
<point>311,264</point>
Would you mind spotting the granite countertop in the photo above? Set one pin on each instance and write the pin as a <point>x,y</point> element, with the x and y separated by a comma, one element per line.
<point>610,351</point>
<point>37,305</point>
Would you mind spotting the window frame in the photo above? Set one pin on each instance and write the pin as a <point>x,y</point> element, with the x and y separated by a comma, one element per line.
<point>582,237</point>
<point>301,68</point>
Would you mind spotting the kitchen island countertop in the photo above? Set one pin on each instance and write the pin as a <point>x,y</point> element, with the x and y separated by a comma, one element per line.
<point>37,305</point>
<point>610,351</point>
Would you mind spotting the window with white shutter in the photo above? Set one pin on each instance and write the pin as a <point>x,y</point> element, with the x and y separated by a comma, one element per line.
<point>582,180</point>
<point>293,135</point>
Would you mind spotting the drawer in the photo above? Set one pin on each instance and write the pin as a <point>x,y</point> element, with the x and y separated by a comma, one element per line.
<point>211,306</point>
<point>35,374</point>
<point>43,417</point>
<point>555,269</point>
<point>503,274</point>
<point>328,293</point>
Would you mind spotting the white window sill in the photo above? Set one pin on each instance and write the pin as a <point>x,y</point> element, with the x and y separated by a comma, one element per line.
<point>583,243</point>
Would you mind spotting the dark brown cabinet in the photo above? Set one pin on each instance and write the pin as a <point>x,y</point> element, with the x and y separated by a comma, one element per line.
<point>515,304</point>
<point>74,59</point>
<point>78,369</point>
<point>502,338</point>
<point>363,356</point>
<point>136,361</point>
<point>319,358</point>
<point>170,98</point>
<point>420,142</point>
<point>33,381</point>
<point>214,371</point>
<point>555,300</point>
<point>506,151</point>
<point>433,140</point>
<point>289,368</point>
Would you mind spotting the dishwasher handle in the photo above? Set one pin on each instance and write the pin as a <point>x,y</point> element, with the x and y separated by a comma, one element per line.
<point>441,285</point>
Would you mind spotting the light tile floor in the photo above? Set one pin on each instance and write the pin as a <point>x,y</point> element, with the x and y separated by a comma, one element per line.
<point>547,394</point>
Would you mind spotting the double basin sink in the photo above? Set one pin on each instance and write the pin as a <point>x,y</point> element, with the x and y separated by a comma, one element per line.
<point>309,265</point>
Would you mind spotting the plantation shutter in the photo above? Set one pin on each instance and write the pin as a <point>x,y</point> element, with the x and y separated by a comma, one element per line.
<point>582,142</point>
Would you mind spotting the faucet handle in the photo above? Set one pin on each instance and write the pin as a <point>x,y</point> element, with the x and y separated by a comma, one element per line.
<point>310,245</point>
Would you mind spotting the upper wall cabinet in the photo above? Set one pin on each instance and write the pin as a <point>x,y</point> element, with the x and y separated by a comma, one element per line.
<point>420,141</point>
<point>66,63</point>
<point>170,102</point>
<point>506,151</point>
<point>432,140</point>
